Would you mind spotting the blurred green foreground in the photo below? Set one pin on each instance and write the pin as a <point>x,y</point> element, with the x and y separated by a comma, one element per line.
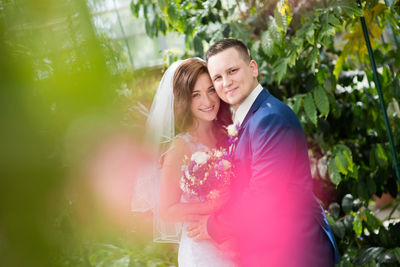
<point>60,120</point>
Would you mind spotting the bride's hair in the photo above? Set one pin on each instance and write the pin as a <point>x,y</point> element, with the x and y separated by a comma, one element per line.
<point>184,80</point>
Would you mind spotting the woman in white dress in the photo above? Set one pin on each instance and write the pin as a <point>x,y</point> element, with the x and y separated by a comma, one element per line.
<point>198,122</point>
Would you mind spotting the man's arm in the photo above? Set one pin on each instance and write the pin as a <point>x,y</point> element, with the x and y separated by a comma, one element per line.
<point>273,142</point>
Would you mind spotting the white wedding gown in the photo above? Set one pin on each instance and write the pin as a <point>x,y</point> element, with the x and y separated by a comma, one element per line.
<point>203,253</point>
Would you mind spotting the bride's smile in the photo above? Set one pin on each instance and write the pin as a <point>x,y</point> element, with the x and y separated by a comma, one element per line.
<point>208,109</point>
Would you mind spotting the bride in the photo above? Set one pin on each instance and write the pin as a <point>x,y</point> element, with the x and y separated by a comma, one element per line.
<point>187,115</point>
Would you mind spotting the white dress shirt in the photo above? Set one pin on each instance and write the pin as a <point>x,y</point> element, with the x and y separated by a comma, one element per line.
<point>244,108</point>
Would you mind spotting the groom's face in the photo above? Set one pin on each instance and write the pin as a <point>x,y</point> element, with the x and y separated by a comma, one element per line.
<point>233,77</point>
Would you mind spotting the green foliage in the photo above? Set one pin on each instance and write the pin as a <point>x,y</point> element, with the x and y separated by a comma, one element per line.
<point>151,254</point>
<point>362,237</point>
<point>56,74</point>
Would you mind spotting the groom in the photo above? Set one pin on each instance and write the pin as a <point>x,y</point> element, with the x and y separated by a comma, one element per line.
<point>272,217</point>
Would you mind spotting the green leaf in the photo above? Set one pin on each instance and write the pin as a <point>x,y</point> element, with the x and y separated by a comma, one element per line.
<point>122,262</point>
<point>297,103</point>
<point>240,30</point>
<point>339,229</point>
<point>309,34</point>
<point>362,190</point>
<point>357,225</point>
<point>326,41</point>
<point>328,85</point>
<point>145,11</point>
<point>276,35</point>
<point>326,31</point>
<point>380,155</point>
<point>135,8</point>
<point>330,219</point>
<point>148,28</point>
<point>371,186</point>
<point>372,221</point>
<point>384,237</point>
<point>334,210</point>
<point>396,252</point>
<point>154,26</point>
<point>267,43</point>
<point>347,203</point>
<point>292,59</point>
<point>314,58</point>
<point>334,174</point>
<point>341,163</point>
<point>190,26</point>
<point>198,44</point>
<point>281,69</point>
<point>349,159</point>
<point>348,222</point>
<point>368,255</point>
<point>386,257</point>
<point>163,5</point>
<point>338,67</point>
<point>351,8</point>
<point>331,19</point>
<point>255,47</point>
<point>321,100</point>
<point>163,26</point>
<point>281,20</point>
<point>341,147</point>
<point>310,109</point>
<point>172,13</point>
<point>296,46</point>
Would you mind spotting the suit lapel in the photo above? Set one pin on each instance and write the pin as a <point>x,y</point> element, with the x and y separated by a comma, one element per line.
<point>264,94</point>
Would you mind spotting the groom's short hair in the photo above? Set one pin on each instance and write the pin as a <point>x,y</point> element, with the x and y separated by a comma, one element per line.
<point>224,44</point>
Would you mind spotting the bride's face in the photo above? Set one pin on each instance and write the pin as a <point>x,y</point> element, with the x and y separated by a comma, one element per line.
<point>205,101</point>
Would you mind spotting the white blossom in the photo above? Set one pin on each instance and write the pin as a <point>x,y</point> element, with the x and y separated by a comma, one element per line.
<point>218,153</point>
<point>226,164</point>
<point>232,130</point>
<point>200,157</point>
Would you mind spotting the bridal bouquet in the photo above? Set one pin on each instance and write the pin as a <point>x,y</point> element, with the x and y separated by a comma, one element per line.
<point>205,173</point>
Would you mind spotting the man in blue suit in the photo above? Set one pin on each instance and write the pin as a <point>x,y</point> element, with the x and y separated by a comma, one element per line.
<point>272,217</point>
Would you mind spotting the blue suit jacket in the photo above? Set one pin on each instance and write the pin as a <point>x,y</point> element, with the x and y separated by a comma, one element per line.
<point>273,215</point>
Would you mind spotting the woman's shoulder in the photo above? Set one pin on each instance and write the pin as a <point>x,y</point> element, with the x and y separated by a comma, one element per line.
<point>181,141</point>
<point>183,138</point>
<point>179,147</point>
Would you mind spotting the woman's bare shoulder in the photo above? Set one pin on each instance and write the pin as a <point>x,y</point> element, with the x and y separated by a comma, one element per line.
<point>178,149</point>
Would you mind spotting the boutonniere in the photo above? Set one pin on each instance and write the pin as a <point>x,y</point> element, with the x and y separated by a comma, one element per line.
<point>233,132</point>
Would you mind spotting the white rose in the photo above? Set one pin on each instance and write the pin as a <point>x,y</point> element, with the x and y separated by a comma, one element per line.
<point>226,164</point>
<point>232,130</point>
<point>200,157</point>
<point>218,153</point>
<point>187,174</point>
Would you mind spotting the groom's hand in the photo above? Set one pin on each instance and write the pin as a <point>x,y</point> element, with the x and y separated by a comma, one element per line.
<point>198,228</point>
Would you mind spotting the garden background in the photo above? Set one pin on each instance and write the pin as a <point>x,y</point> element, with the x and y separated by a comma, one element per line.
<point>77,78</point>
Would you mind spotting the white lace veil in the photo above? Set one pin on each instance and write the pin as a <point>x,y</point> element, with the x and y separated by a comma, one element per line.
<point>161,130</point>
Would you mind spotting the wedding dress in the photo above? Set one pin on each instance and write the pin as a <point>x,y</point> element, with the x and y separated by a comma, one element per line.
<point>203,253</point>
